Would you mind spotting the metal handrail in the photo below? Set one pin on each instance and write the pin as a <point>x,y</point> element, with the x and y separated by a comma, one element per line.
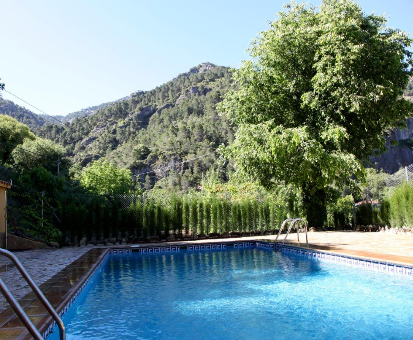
<point>17,308</point>
<point>293,222</point>
<point>282,227</point>
<point>19,311</point>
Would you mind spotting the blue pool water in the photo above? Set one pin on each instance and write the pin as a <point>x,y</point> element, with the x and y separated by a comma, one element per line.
<point>239,294</point>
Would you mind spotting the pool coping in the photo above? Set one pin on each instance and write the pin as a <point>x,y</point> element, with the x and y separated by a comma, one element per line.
<point>388,267</point>
<point>60,289</point>
<point>62,295</point>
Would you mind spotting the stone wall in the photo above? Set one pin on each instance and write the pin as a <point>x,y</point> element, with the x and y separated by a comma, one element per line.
<point>19,243</point>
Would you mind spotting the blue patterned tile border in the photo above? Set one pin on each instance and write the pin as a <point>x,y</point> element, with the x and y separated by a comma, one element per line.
<point>242,245</point>
<point>189,248</point>
<point>264,245</point>
<point>207,247</point>
<point>121,251</point>
<point>158,250</point>
<point>52,326</point>
<point>383,267</point>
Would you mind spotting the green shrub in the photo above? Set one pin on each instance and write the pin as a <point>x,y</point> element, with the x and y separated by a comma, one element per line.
<point>200,216</point>
<point>384,212</point>
<point>185,214</point>
<point>159,212</point>
<point>193,221</point>
<point>207,216</point>
<point>401,206</point>
<point>364,214</point>
<point>214,215</point>
<point>166,221</point>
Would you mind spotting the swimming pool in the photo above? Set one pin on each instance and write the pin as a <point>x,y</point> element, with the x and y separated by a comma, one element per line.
<point>239,294</point>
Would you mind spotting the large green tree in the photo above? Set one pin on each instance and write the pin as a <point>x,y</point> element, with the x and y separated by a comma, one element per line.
<point>102,177</point>
<point>39,153</point>
<point>12,134</point>
<point>322,88</point>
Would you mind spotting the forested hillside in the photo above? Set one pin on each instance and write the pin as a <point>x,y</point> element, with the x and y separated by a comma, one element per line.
<point>169,133</point>
<point>172,130</point>
<point>32,120</point>
<point>81,113</point>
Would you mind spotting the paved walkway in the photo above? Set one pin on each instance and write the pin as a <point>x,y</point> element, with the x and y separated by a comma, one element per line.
<point>58,290</point>
<point>41,264</point>
<point>387,246</point>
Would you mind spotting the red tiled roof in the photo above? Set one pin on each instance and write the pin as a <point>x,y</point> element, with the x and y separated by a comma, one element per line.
<point>367,202</point>
<point>4,184</point>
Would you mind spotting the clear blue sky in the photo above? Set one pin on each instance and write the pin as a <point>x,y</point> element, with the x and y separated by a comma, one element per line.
<point>62,56</point>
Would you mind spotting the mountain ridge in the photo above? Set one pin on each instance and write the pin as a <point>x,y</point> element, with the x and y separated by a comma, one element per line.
<point>177,120</point>
<point>23,115</point>
<point>173,123</point>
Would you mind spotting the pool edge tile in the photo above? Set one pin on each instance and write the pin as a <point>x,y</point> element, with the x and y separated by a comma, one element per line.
<point>87,264</point>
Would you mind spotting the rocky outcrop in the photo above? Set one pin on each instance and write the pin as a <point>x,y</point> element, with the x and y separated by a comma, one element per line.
<point>88,141</point>
<point>393,159</point>
<point>164,107</point>
<point>404,134</point>
<point>180,98</point>
<point>100,128</point>
<point>140,170</point>
<point>194,90</point>
<point>144,114</point>
<point>197,69</point>
<point>396,156</point>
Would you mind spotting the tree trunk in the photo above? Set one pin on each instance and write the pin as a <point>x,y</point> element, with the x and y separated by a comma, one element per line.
<point>314,204</point>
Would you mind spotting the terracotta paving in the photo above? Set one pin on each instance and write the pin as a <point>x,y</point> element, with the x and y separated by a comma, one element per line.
<point>388,247</point>
<point>41,264</point>
<point>396,248</point>
<point>58,290</point>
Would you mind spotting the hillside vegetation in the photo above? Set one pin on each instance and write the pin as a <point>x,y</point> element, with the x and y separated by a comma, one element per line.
<point>32,120</point>
<point>167,138</point>
<point>152,133</point>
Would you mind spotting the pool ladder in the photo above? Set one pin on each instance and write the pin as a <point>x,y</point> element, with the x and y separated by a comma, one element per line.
<point>19,310</point>
<point>293,221</point>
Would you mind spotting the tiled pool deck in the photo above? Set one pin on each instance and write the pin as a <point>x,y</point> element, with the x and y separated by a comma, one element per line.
<point>58,289</point>
<point>62,285</point>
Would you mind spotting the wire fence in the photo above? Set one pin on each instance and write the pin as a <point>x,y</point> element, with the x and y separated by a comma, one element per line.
<point>125,201</point>
<point>403,175</point>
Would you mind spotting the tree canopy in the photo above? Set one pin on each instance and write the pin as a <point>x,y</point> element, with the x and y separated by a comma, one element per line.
<point>38,153</point>
<point>102,177</point>
<point>12,134</point>
<point>321,90</point>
